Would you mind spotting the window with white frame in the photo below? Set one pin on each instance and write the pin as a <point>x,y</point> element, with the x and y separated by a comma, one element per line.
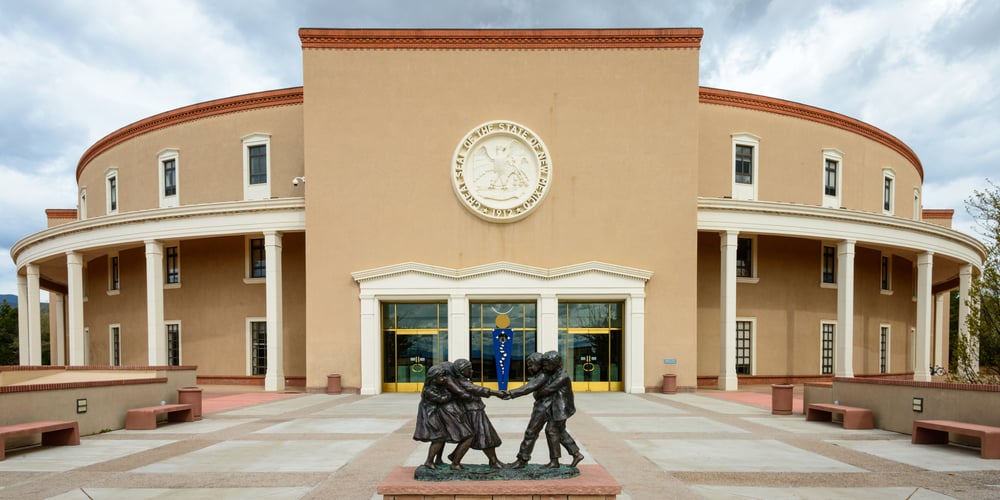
<point>115,342</point>
<point>257,346</point>
<point>745,166</point>
<point>888,191</point>
<point>829,265</point>
<point>883,348</point>
<point>744,346</point>
<point>885,273</point>
<point>256,166</point>
<point>917,212</point>
<point>256,260</point>
<point>173,330</point>
<point>82,209</point>
<point>833,177</point>
<point>172,265</point>
<point>168,165</point>
<point>828,331</point>
<point>111,191</point>
<point>114,273</point>
<point>746,258</point>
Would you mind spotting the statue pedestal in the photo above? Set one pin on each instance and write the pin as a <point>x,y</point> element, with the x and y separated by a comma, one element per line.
<point>592,483</point>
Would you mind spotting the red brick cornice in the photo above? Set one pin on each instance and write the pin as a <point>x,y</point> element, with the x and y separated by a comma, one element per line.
<point>788,108</point>
<point>60,213</point>
<point>257,100</point>
<point>938,213</point>
<point>647,38</point>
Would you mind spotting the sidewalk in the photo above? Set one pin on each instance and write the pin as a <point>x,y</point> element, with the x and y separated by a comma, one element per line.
<point>709,444</point>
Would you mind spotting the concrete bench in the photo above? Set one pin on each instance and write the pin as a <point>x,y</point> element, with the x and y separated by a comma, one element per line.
<point>854,418</point>
<point>54,432</point>
<point>936,432</point>
<point>145,418</point>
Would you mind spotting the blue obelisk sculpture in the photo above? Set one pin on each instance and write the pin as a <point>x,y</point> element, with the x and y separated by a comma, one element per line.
<point>502,336</point>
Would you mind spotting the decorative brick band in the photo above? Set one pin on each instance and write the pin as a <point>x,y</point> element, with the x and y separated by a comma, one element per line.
<point>938,213</point>
<point>707,95</point>
<point>464,39</point>
<point>7,389</point>
<point>60,213</point>
<point>914,383</point>
<point>246,102</point>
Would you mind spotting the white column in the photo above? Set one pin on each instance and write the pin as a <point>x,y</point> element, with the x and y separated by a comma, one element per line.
<point>727,312</point>
<point>458,327</point>
<point>156,336</point>
<point>371,351</point>
<point>57,329</point>
<point>74,278</point>
<point>925,265</point>
<point>23,337</point>
<point>844,343</point>
<point>274,380</point>
<point>940,326</point>
<point>548,328</point>
<point>34,307</point>
<point>635,341</point>
<point>964,285</point>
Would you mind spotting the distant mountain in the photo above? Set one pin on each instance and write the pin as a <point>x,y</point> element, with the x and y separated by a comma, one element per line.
<point>11,299</point>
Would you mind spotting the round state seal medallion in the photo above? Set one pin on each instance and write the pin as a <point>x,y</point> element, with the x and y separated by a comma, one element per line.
<point>501,171</point>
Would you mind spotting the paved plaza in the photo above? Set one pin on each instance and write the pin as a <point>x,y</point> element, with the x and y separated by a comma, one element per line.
<point>708,444</point>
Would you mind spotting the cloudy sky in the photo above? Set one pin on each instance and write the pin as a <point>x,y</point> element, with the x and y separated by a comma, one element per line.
<point>71,72</point>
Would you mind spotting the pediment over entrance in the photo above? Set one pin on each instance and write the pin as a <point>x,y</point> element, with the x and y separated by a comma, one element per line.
<point>510,268</point>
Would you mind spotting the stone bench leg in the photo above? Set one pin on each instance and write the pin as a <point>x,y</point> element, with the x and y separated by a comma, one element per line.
<point>923,435</point>
<point>141,421</point>
<point>68,436</point>
<point>990,446</point>
<point>815,415</point>
<point>858,420</point>
<point>180,416</point>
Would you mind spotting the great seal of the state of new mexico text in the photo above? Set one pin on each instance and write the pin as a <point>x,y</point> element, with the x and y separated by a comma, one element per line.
<point>501,171</point>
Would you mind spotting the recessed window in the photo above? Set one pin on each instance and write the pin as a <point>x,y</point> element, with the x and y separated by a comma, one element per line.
<point>888,191</point>
<point>745,167</point>
<point>115,342</point>
<point>744,347</point>
<point>169,176</point>
<point>885,273</point>
<point>746,257</point>
<point>833,178</point>
<point>829,265</point>
<point>114,273</point>
<point>82,210</point>
<point>172,265</point>
<point>257,166</point>
<point>111,191</point>
<point>827,332</point>
<point>917,212</point>
<point>256,258</point>
<point>258,347</point>
<point>883,349</point>
<point>173,343</point>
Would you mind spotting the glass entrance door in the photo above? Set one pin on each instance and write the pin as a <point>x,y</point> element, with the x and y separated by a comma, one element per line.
<point>414,338</point>
<point>590,342</point>
<point>482,321</point>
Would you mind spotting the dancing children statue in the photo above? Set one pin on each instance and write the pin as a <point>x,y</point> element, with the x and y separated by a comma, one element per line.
<point>484,436</point>
<point>441,419</point>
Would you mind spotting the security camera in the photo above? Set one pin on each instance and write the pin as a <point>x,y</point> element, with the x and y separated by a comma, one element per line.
<point>297,180</point>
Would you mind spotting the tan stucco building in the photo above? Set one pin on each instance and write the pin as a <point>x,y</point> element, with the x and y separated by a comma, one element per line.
<point>578,182</point>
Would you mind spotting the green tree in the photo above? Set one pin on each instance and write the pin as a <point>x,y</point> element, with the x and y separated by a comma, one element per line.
<point>8,335</point>
<point>984,307</point>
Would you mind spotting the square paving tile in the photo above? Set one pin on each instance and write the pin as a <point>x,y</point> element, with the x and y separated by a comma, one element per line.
<point>280,407</point>
<point>799,425</point>
<point>204,426</point>
<point>289,493</point>
<point>731,455</point>
<point>263,456</point>
<point>714,404</point>
<point>744,492</point>
<point>621,404</point>
<point>667,425</point>
<point>936,457</point>
<point>63,458</point>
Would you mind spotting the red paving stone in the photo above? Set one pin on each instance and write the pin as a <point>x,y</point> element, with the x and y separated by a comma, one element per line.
<point>759,399</point>
<point>213,402</point>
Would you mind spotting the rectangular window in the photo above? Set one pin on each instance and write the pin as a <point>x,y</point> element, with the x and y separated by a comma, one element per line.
<point>744,258</point>
<point>116,345</point>
<point>113,194</point>
<point>744,164</point>
<point>883,349</point>
<point>258,261</point>
<point>885,279</point>
<point>172,273</point>
<point>173,344</point>
<point>827,331</point>
<point>829,264</point>
<point>744,347</point>
<point>113,273</point>
<point>830,183</point>
<point>258,348</point>
<point>170,177</point>
<point>887,194</point>
<point>258,164</point>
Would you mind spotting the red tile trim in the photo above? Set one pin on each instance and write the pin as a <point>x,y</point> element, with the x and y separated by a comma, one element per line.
<point>60,213</point>
<point>755,102</point>
<point>79,385</point>
<point>464,39</point>
<point>258,100</point>
<point>939,213</point>
<point>914,383</point>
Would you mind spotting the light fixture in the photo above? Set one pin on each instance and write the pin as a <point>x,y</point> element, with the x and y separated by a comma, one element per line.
<point>918,405</point>
<point>298,180</point>
<point>81,406</point>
